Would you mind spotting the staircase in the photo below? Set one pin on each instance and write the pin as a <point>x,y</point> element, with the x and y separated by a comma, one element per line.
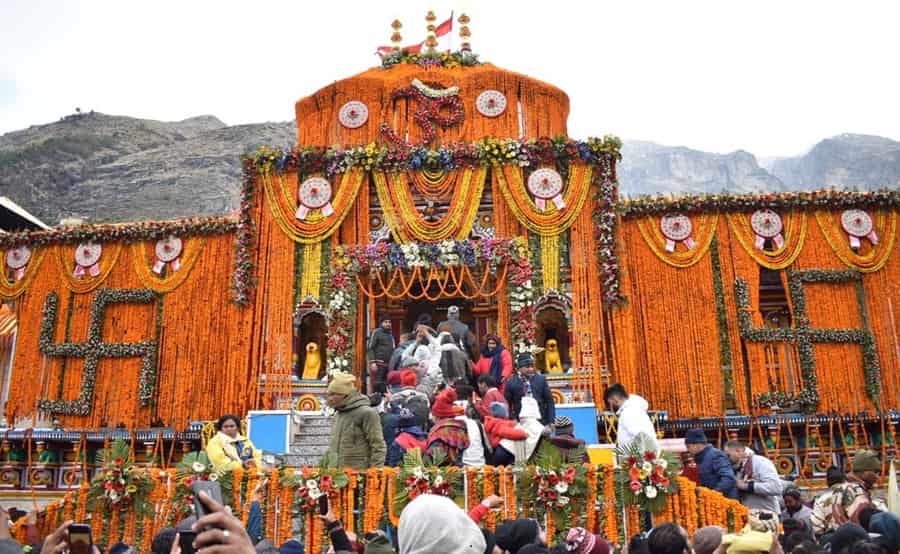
<point>310,443</point>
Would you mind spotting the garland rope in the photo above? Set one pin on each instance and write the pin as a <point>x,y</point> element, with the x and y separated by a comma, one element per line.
<point>878,255</point>
<point>83,286</point>
<point>10,291</point>
<point>780,258</point>
<point>174,279</point>
<point>511,182</point>
<point>704,231</point>
<point>316,228</point>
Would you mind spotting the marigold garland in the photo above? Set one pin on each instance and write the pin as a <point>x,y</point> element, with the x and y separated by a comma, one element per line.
<point>885,224</point>
<point>406,222</point>
<point>65,262</point>
<point>511,181</point>
<point>173,279</point>
<point>10,291</point>
<point>590,520</point>
<point>489,487</point>
<point>794,236</point>
<point>704,231</point>
<point>315,228</point>
<point>611,528</point>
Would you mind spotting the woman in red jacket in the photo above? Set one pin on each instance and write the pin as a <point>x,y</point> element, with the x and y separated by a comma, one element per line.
<point>498,428</point>
<point>495,361</point>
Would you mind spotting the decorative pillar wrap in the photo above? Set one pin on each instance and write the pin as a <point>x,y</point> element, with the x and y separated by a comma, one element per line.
<point>17,259</point>
<point>677,228</point>
<point>767,224</point>
<point>87,259</point>
<point>858,224</point>
<point>546,184</point>
<point>168,251</point>
<point>314,194</point>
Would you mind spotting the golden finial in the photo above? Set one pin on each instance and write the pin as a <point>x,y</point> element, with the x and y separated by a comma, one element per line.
<point>431,41</point>
<point>396,37</point>
<point>464,33</point>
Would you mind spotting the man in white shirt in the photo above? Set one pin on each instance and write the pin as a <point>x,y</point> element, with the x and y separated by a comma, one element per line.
<point>631,411</point>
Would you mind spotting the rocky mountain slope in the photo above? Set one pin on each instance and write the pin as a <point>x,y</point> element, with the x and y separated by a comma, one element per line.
<point>112,168</point>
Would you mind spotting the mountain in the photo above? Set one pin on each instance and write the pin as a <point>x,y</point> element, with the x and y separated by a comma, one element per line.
<point>863,162</point>
<point>113,168</point>
<point>650,168</point>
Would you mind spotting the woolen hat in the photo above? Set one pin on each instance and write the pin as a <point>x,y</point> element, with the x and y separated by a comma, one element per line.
<point>866,460</point>
<point>515,534</point>
<point>580,541</point>
<point>443,404</point>
<point>342,383</point>
<point>695,436</point>
<point>408,378</point>
<point>499,409</point>
<point>405,418</point>
<point>524,360</point>
<point>707,539</point>
<point>562,423</point>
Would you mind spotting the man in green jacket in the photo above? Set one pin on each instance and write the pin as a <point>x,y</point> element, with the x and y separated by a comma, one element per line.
<point>356,438</point>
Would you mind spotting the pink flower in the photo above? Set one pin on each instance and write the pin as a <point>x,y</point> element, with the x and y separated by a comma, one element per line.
<point>636,486</point>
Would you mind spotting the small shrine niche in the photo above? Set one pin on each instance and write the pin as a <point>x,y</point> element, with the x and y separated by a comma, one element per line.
<point>308,345</point>
<point>552,335</point>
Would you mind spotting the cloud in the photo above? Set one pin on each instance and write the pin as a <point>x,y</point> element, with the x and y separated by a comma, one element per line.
<point>7,92</point>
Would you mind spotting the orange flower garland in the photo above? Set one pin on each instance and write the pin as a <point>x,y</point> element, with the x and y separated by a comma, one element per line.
<point>273,496</point>
<point>237,478</point>
<point>376,482</point>
<point>285,507</point>
<point>391,476</point>
<point>130,533</point>
<point>611,516</point>
<point>252,483</point>
<point>590,508</point>
<point>81,505</point>
<point>349,493</point>
<point>114,520</point>
<point>471,491</point>
<point>489,488</point>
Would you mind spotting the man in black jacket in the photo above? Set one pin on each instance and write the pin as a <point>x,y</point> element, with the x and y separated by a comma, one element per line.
<point>378,353</point>
<point>528,382</point>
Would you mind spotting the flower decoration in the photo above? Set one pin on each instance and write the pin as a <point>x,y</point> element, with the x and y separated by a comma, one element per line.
<point>415,478</point>
<point>463,58</point>
<point>195,466</point>
<point>310,484</point>
<point>432,100</point>
<point>118,484</point>
<point>551,489</point>
<point>648,476</point>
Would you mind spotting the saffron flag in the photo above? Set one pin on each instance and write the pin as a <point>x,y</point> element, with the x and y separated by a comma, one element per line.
<point>443,33</point>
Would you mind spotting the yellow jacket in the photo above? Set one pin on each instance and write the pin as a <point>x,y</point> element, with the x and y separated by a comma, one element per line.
<point>223,454</point>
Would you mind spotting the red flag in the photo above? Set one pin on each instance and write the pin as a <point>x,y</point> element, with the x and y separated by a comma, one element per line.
<point>444,29</point>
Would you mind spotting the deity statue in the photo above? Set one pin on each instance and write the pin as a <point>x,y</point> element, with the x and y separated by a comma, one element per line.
<point>313,364</point>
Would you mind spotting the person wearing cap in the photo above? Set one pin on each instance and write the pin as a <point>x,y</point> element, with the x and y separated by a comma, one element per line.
<point>713,465</point>
<point>449,435</point>
<point>462,336</point>
<point>409,436</point>
<point>707,540</point>
<point>527,382</point>
<point>794,508</point>
<point>571,448</point>
<point>409,396</point>
<point>498,427</point>
<point>758,482</point>
<point>848,498</point>
<point>356,437</point>
<point>631,416</point>
<point>378,352</point>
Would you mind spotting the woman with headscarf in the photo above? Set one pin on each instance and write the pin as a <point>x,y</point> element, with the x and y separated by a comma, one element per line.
<point>432,523</point>
<point>495,361</point>
<point>229,449</point>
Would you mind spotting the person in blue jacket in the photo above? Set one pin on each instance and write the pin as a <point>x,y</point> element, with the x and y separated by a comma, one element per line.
<point>712,464</point>
<point>528,382</point>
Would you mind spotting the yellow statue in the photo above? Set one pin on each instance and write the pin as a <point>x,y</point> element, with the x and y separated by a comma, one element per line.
<point>313,363</point>
<point>552,363</point>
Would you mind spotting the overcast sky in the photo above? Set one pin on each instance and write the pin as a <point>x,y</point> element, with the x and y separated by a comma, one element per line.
<point>769,77</point>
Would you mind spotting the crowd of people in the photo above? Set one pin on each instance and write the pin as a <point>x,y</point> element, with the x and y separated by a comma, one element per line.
<point>433,392</point>
<point>428,392</point>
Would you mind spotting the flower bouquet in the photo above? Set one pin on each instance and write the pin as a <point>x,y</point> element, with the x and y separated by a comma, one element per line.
<point>311,484</point>
<point>646,475</point>
<point>416,478</point>
<point>120,484</point>
<point>195,466</point>
<point>554,489</point>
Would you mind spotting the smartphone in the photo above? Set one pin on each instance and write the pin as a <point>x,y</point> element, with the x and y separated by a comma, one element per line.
<point>323,504</point>
<point>186,541</point>
<point>212,489</point>
<point>80,540</point>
